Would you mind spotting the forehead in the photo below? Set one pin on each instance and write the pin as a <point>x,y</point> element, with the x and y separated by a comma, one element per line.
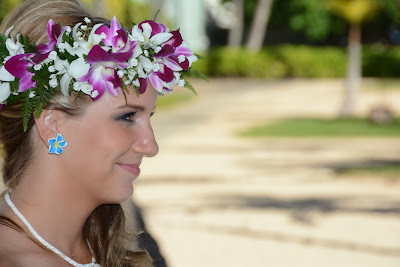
<point>147,100</point>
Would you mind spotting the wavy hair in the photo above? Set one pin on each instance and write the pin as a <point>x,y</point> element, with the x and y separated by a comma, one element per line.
<point>105,229</point>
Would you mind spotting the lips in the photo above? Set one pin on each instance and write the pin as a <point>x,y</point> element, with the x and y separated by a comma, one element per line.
<point>131,168</point>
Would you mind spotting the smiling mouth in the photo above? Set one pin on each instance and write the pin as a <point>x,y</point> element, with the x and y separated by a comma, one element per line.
<point>131,168</point>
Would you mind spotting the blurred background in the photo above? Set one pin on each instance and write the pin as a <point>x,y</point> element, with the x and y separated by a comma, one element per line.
<point>290,155</point>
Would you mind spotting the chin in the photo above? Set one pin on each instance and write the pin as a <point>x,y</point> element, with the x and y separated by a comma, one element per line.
<point>119,195</point>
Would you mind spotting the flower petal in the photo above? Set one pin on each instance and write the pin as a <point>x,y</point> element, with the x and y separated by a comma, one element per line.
<point>52,149</point>
<point>65,81</point>
<point>4,91</point>
<point>78,68</point>
<point>59,138</point>
<point>63,143</point>
<point>98,54</point>
<point>26,82</point>
<point>5,75</point>
<point>172,64</point>
<point>59,150</point>
<point>176,40</point>
<point>17,66</point>
<point>165,74</point>
<point>161,38</point>
<point>165,51</point>
<point>143,85</point>
<point>156,82</point>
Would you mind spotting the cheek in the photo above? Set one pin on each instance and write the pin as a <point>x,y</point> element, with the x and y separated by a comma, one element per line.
<point>100,143</point>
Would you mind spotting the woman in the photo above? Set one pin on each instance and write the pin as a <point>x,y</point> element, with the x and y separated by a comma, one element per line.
<point>75,125</point>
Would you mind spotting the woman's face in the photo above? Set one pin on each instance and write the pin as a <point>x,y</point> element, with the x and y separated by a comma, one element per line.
<point>107,142</point>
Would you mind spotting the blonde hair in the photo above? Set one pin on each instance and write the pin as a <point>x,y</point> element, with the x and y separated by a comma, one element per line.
<point>105,228</point>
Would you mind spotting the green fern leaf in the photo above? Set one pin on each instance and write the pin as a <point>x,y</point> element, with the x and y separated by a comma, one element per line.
<point>190,87</point>
<point>27,109</point>
<point>199,56</point>
<point>193,73</point>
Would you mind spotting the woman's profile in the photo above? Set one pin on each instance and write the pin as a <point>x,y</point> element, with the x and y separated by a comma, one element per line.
<point>77,93</point>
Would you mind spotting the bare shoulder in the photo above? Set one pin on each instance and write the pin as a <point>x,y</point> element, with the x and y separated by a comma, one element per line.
<point>17,250</point>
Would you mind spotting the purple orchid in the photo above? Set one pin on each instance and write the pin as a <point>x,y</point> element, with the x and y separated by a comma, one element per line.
<point>53,32</point>
<point>156,28</point>
<point>117,39</point>
<point>18,66</point>
<point>160,77</point>
<point>181,59</point>
<point>102,74</point>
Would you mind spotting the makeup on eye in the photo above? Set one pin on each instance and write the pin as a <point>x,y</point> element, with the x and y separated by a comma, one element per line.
<point>127,116</point>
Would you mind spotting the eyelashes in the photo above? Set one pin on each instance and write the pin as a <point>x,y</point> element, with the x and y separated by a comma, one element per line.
<point>128,117</point>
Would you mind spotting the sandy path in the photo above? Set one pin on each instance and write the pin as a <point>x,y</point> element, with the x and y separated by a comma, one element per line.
<point>212,199</point>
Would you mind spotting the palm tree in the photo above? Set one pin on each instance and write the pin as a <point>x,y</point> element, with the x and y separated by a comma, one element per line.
<point>259,25</point>
<point>236,32</point>
<point>355,12</point>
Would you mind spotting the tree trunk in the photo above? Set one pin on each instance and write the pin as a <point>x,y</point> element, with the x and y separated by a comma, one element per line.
<point>353,71</point>
<point>236,32</point>
<point>259,25</point>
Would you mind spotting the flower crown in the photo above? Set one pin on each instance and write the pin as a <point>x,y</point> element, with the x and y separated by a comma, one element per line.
<point>92,60</point>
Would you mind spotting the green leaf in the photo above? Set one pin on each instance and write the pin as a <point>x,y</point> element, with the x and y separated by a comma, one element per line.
<point>156,15</point>
<point>193,73</point>
<point>28,46</point>
<point>27,109</point>
<point>190,87</point>
<point>199,56</point>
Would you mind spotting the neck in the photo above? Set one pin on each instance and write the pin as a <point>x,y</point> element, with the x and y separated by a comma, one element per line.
<point>54,208</point>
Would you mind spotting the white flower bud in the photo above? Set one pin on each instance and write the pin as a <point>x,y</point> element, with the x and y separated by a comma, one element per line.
<point>62,47</point>
<point>94,94</point>
<point>84,27</point>
<point>121,73</point>
<point>156,67</point>
<point>181,83</point>
<point>32,94</point>
<point>68,29</point>
<point>53,55</point>
<point>52,69</point>
<point>158,49</point>
<point>53,83</point>
<point>87,20</point>
<point>133,62</point>
<point>181,58</point>
<point>37,67</point>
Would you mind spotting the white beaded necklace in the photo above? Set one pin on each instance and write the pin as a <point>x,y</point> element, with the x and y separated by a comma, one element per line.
<point>44,242</point>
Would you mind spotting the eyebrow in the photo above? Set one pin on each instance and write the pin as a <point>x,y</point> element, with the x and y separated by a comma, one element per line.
<point>140,108</point>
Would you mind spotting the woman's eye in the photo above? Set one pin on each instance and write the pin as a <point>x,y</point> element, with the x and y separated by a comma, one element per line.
<point>127,116</point>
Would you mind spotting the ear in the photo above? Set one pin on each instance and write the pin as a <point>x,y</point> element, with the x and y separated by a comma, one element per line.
<point>46,124</point>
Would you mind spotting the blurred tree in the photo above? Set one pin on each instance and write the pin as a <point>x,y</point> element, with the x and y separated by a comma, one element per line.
<point>355,12</point>
<point>259,25</point>
<point>7,6</point>
<point>126,11</point>
<point>317,19</point>
<point>236,32</point>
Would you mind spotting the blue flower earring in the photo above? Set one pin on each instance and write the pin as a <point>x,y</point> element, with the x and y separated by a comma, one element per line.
<point>56,145</point>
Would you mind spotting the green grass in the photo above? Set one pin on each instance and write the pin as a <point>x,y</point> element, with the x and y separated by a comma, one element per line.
<point>169,101</point>
<point>304,127</point>
<point>390,171</point>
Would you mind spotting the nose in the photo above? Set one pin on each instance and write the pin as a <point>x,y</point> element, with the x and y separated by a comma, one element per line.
<point>145,142</point>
